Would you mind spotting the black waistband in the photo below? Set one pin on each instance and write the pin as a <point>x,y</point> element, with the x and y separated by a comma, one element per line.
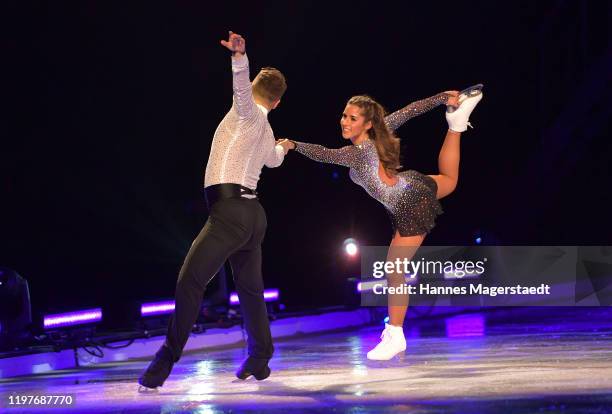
<point>217,192</point>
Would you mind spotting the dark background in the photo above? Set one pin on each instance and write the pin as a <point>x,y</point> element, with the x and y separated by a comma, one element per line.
<point>110,108</point>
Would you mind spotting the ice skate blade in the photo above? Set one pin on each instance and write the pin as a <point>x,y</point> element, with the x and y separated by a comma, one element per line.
<point>146,390</point>
<point>470,92</point>
<point>399,357</point>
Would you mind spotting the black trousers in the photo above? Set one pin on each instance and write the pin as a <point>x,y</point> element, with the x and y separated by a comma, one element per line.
<point>235,230</point>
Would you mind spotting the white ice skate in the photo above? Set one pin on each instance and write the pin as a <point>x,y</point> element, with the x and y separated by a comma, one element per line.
<point>459,118</point>
<point>392,343</point>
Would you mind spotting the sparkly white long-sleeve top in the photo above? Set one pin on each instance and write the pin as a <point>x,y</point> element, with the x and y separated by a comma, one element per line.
<point>243,142</point>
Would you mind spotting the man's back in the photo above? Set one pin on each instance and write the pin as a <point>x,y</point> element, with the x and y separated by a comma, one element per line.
<point>243,142</point>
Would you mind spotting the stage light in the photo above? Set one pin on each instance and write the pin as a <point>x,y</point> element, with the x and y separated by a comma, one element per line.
<point>157,308</point>
<point>386,320</point>
<point>62,320</point>
<point>465,326</point>
<point>270,295</point>
<point>368,285</point>
<point>478,240</point>
<point>350,247</point>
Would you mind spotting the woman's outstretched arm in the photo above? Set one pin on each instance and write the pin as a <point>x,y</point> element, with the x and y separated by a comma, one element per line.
<point>346,156</point>
<point>397,118</point>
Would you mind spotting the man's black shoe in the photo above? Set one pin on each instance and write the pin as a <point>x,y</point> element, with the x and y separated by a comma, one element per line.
<point>255,367</point>
<point>158,370</point>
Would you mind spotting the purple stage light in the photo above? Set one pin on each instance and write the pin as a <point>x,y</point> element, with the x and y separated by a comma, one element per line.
<point>270,295</point>
<point>368,285</point>
<point>465,326</point>
<point>157,308</point>
<point>60,320</point>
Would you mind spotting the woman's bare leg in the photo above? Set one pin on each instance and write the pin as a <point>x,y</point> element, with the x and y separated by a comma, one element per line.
<point>448,164</point>
<point>400,248</point>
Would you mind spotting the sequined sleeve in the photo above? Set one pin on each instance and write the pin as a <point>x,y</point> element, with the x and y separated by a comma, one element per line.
<point>243,92</point>
<point>397,118</point>
<point>275,157</point>
<point>346,156</point>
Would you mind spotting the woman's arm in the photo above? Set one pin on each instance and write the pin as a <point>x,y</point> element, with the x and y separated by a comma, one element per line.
<point>397,118</point>
<point>346,156</point>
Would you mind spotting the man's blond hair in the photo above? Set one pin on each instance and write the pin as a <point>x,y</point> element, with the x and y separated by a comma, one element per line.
<point>269,84</point>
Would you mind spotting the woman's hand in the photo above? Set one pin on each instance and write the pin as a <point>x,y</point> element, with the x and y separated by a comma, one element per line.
<point>453,98</point>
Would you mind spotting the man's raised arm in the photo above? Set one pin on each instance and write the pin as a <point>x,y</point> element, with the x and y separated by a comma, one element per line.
<point>243,94</point>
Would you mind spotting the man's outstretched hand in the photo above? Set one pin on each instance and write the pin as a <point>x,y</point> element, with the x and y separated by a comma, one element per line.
<point>286,144</point>
<point>235,43</point>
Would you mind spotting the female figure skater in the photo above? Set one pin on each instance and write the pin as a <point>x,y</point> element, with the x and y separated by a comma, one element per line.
<point>411,198</point>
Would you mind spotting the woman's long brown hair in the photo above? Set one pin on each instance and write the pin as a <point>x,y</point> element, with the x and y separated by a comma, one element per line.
<point>387,144</point>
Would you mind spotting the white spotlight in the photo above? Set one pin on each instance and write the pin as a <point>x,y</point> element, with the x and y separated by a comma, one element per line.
<point>350,247</point>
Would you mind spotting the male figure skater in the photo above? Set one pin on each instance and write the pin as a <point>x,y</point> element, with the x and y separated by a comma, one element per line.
<point>243,143</point>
